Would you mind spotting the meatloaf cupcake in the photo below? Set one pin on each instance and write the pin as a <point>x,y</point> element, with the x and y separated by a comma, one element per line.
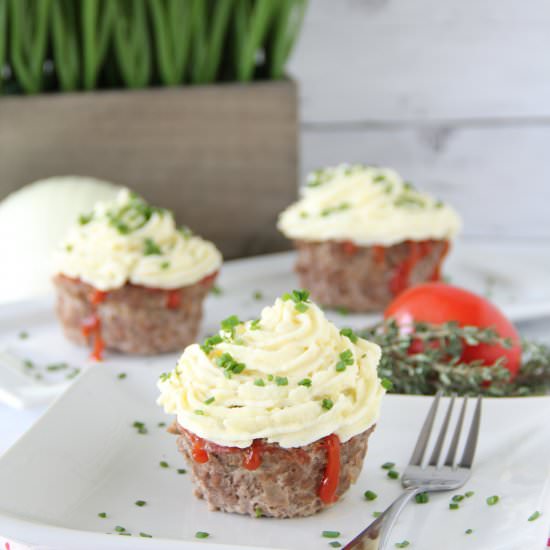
<point>364,235</point>
<point>273,415</point>
<point>129,280</point>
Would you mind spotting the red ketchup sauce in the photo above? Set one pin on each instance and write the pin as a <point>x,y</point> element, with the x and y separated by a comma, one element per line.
<point>379,254</point>
<point>253,456</point>
<point>173,299</point>
<point>331,477</point>
<point>198,451</point>
<point>91,326</point>
<point>417,250</point>
<point>349,248</point>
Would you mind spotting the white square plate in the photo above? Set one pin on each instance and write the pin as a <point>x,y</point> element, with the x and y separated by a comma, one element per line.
<point>84,457</point>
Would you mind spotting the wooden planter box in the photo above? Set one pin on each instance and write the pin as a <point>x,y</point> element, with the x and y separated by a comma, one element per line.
<point>223,157</point>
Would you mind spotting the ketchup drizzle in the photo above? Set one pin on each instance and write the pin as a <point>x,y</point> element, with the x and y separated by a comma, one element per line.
<point>253,457</point>
<point>173,299</point>
<point>331,476</point>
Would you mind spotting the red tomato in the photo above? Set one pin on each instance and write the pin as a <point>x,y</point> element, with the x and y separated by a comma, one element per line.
<point>439,303</point>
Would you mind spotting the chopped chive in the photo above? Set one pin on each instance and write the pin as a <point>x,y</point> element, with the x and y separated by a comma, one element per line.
<point>126,534</point>
<point>72,374</point>
<point>402,544</point>
<point>255,325</point>
<point>348,332</point>
<point>392,474</point>
<point>164,265</point>
<point>229,324</point>
<point>281,381</point>
<point>28,364</point>
<point>202,535</point>
<point>342,310</point>
<point>458,498</point>
<point>534,516</point>
<point>335,544</point>
<point>140,503</point>
<point>259,382</point>
<point>370,495</point>
<point>376,514</point>
<point>469,531</point>
<point>453,505</point>
<point>181,471</point>
<point>199,412</point>
<point>102,515</point>
<point>491,501</point>
<point>469,494</point>
<point>150,247</point>
<point>210,400</point>
<point>163,464</point>
<point>57,366</point>
<point>346,359</point>
<point>146,535</point>
<point>270,377</point>
<point>327,404</point>
<point>301,307</point>
<point>331,534</point>
<point>216,290</point>
<point>387,384</point>
<point>305,382</point>
<point>422,498</point>
<point>209,343</point>
<point>161,424</point>
<point>165,376</point>
<point>23,335</point>
<point>257,295</point>
<point>388,465</point>
<point>258,512</point>
<point>119,529</point>
<point>122,375</point>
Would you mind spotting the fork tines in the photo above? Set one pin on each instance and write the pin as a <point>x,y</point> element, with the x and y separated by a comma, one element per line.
<point>471,440</point>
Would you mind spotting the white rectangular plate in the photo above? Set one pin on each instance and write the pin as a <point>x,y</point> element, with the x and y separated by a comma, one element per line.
<point>84,457</point>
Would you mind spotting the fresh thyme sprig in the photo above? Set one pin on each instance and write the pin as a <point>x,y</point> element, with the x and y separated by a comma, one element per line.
<point>438,366</point>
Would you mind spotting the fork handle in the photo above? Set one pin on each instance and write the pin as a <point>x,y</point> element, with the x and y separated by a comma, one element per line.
<point>376,535</point>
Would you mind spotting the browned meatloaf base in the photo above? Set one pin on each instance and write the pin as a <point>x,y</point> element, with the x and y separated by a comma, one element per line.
<point>364,279</point>
<point>134,319</point>
<point>285,485</point>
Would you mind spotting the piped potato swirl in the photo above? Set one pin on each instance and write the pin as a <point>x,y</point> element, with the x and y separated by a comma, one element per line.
<point>290,377</point>
<point>129,241</point>
<point>367,205</point>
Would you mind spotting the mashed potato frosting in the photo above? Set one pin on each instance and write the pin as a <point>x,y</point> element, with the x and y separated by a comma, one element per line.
<point>290,377</point>
<point>127,240</point>
<point>366,205</point>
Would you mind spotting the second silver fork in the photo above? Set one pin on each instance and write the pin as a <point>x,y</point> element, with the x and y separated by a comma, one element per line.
<point>417,478</point>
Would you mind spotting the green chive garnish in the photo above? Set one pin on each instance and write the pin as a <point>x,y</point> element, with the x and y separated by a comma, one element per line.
<point>422,498</point>
<point>165,376</point>
<point>301,307</point>
<point>335,544</point>
<point>161,424</point>
<point>469,494</point>
<point>388,465</point>
<point>534,516</point>
<point>255,325</point>
<point>122,376</point>
<point>146,535</point>
<point>258,512</point>
<point>327,404</point>
<point>331,534</point>
<point>370,495</point>
<point>229,324</point>
<point>199,412</point>
<point>163,464</point>
<point>140,427</point>
<point>209,343</point>
<point>469,531</point>
<point>257,295</point>
<point>210,400</point>
<point>281,381</point>
<point>305,382</point>
<point>119,529</point>
<point>402,544</point>
<point>270,377</point>
<point>216,290</point>
<point>457,498</point>
<point>140,503</point>
<point>376,514</point>
<point>346,359</point>
<point>102,515</point>
<point>392,474</point>
<point>387,384</point>
<point>342,310</point>
<point>164,265</point>
<point>453,506</point>
<point>348,332</point>
<point>202,535</point>
<point>491,501</point>
<point>23,335</point>
<point>150,247</point>
<point>259,382</point>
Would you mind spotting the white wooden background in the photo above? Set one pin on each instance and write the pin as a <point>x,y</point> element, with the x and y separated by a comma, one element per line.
<point>453,94</point>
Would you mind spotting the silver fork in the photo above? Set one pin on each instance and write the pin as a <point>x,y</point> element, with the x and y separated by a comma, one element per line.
<point>434,477</point>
